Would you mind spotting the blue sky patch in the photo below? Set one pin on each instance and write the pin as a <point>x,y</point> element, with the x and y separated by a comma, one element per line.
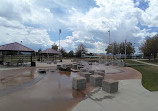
<point>142,4</point>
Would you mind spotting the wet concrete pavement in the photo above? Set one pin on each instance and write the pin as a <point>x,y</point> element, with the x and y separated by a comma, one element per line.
<point>10,78</point>
<point>53,93</point>
<point>124,73</point>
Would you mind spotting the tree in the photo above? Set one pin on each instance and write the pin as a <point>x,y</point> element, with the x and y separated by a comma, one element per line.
<point>81,49</point>
<point>39,50</point>
<point>63,52</point>
<point>38,53</point>
<point>150,47</point>
<point>129,48</point>
<point>116,48</point>
<point>109,49</point>
<point>55,47</point>
<point>122,48</point>
<point>146,49</point>
<point>113,48</point>
<point>71,53</point>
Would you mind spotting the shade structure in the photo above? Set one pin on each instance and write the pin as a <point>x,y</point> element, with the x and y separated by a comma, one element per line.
<point>15,47</point>
<point>50,51</point>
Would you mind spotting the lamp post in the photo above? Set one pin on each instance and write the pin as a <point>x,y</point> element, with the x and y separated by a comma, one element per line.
<point>59,37</point>
<point>125,50</point>
<point>109,37</point>
<point>59,44</point>
<point>112,47</point>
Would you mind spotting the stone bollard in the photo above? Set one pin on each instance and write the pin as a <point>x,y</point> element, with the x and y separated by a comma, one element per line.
<point>110,86</point>
<point>80,66</point>
<point>92,71</point>
<point>100,73</point>
<point>79,83</point>
<point>101,70</point>
<point>86,75</point>
<point>74,66</point>
<point>96,80</point>
<point>55,62</point>
<point>83,70</point>
<point>42,71</point>
<point>58,66</point>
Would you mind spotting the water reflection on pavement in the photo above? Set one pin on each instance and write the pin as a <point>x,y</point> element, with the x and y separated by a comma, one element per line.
<point>53,93</point>
<point>10,78</point>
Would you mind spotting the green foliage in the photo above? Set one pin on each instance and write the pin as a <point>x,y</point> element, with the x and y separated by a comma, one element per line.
<point>55,47</point>
<point>150,47</point>
<point>116,48</point>
<point>39,50</point>
<point>63,52</point>
<point>129,48</point>
<point>71,53</point>
<point>81,49</point>
<point>113,48</point>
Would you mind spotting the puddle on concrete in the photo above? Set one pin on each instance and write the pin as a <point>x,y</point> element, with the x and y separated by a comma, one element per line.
<point>9,78</point>
<point>53,93</point>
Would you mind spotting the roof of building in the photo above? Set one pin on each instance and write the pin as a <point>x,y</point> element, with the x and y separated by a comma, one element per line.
<point>50,51</point>
<point>15,47</point>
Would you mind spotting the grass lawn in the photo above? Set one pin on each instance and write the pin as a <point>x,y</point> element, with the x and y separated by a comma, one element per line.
<point>149,75</point>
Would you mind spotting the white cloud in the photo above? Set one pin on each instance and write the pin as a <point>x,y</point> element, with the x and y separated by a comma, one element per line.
<point>26,11</point>
<point>150,16</point>
<point>30,20</point>
<point>13,31</point>
<point>118,16</point>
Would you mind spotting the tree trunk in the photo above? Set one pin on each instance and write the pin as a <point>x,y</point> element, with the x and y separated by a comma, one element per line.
<point>149,58</point>
<point>155,55</point>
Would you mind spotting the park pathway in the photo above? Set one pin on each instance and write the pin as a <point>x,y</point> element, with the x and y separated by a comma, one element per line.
<point>145,63</point>
<point>131,96</point>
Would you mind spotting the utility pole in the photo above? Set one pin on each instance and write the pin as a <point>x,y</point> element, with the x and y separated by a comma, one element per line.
<point>125,50</point>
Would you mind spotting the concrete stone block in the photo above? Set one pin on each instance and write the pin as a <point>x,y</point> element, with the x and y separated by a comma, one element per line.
<point>83,70</point>
<point>110,86</point>
<point>42,71</point>
<point>58,66</point>
<point>91,71</point>
<point>101,70</point>
<point>55,62</point>
<point>86,75</point>
<point>80,66</point>
<point>100,73</point>
<point>79,83</point>
<point>74,66</point>
<point>96,80</point>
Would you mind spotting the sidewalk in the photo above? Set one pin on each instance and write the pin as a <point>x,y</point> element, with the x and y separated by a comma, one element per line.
<point>131,97</point>
<point>145,63</point>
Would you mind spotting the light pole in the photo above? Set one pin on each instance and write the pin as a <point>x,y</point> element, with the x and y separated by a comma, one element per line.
<point>109,37</point>
<point>59,44</point>
<point>112,47</point>
<point>125,49</point>
<point>59,37</point>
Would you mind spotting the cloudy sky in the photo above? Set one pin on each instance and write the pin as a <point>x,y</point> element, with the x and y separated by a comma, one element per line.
<point>37,22</point>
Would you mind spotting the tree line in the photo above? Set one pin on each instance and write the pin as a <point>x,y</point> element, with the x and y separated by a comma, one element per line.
<point>150,47</point>
<point>80,50</point>
<point>120,48</point>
